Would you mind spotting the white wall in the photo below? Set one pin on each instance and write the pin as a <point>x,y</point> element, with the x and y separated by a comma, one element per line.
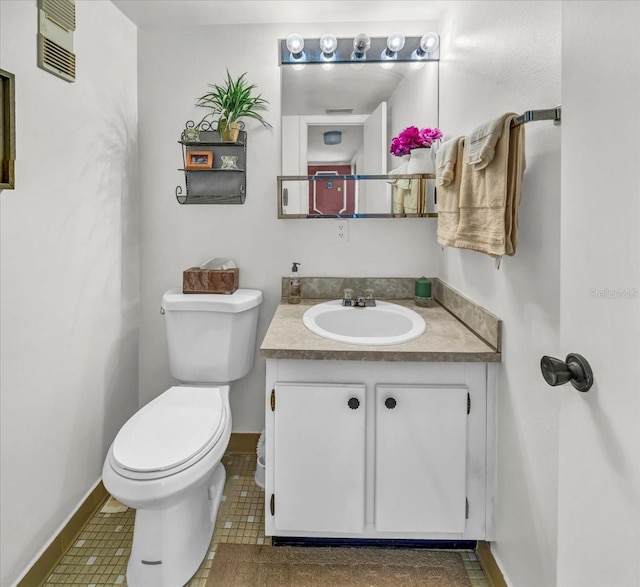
<point>69,286</point>
<point>175,237</point>
<point>498,57</point>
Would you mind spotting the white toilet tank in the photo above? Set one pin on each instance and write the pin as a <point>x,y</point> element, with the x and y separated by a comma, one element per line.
<point>211,337</point>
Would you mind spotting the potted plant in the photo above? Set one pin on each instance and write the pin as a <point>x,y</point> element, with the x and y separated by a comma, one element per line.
<point>230,102</point>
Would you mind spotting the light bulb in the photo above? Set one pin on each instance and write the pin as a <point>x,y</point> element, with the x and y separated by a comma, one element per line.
<point>328,46</point>
<point>428,43</point>
<point>395,42</point>
<point>361,45</point>
<point>295,45</point>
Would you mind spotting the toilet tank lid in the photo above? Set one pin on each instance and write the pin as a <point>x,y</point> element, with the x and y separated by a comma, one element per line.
<point>239,301</point>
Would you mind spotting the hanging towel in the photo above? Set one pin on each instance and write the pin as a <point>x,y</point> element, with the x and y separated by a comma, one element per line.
<point>489,198</point>
<point>401,188</point>
<point>482,142</point>
<point>449,198</point>
<point>446,157</point>
<point>411,199</point>
<point>405,191</point>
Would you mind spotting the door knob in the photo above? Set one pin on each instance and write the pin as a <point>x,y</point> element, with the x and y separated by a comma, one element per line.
<point>574,369</point>
<point>353,403</point>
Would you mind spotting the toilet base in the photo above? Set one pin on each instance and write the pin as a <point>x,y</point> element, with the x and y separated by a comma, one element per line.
<point>170,544</point>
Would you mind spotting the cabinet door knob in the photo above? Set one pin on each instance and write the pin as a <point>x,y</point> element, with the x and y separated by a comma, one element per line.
<point>390,403</point>
<point>353,403</point>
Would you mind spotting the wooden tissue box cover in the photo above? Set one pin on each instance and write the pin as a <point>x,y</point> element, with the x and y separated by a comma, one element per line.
<point>211,281</point>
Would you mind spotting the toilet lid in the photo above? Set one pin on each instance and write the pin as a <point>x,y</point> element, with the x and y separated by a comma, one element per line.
<point>170,430</point>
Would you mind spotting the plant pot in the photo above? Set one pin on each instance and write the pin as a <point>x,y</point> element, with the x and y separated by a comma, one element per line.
<point>229,133</point>
<point>421,161</point>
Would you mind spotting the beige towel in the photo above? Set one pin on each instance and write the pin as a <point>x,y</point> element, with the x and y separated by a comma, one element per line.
<point>411,199</point>
<point>449,201</point>
<point>405,199</point>
<point>401,188</point>
<point>446,157</point>
<point>482,142</point>
<point>403,183</point>
<point>489,198</point>
<point>405,191</point>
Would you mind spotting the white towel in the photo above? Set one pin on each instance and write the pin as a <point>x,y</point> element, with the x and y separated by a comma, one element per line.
<point>446,157</point>
<point>482,142</point>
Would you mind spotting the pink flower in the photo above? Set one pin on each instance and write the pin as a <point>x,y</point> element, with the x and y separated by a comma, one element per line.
<point>413,138</point>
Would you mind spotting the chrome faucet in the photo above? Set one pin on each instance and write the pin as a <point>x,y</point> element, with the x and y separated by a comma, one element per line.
<point>365,300</point>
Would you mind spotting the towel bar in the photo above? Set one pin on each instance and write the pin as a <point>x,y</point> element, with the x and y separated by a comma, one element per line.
<point>535,115</point>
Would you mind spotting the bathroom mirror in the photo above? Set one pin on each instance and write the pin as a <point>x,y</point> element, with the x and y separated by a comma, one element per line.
<point>360,196</point>
<point>338,119</point>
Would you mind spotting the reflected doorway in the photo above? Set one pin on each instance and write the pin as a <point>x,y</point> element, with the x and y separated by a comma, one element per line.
<point>331,196</point>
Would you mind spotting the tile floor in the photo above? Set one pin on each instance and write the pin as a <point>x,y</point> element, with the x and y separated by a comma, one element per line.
<point>99,556</point>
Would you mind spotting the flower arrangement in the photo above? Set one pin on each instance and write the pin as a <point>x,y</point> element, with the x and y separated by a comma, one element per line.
<point>413,137</point>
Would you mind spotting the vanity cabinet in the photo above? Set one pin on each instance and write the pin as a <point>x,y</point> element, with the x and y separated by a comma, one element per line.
<point>216,184</point>
<point>350,455</point>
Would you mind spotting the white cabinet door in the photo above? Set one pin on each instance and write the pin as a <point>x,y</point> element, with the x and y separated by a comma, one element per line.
<point>420,467</point>
<point>319,468</point>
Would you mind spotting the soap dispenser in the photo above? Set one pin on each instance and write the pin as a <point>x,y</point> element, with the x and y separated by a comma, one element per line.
<point>294,285</point>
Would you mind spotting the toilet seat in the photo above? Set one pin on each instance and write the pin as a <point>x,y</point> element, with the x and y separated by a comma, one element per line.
<point>169,434</point>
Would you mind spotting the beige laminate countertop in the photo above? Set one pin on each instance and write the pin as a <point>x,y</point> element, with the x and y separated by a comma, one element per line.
<point>446,339</point>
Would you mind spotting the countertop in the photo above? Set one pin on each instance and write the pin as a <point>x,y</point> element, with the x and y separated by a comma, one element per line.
<point>446,339</point>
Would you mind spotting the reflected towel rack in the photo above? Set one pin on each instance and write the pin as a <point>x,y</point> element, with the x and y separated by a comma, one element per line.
<point>554,114</point>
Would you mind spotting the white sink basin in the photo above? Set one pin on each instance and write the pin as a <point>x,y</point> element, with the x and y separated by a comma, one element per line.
<point>384,324</point>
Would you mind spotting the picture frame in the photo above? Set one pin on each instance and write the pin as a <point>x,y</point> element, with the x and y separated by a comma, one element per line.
<point>7,130</point>
<point>198,160</point>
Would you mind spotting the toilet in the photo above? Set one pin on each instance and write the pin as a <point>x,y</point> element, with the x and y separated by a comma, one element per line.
<point>166,460</point>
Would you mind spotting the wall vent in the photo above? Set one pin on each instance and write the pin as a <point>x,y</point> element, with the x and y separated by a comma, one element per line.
<point>62,12</point>
<point>339,111</point>
<point>56,23</point>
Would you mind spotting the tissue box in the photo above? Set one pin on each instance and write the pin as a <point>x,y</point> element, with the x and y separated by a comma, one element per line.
<point>196,280</point>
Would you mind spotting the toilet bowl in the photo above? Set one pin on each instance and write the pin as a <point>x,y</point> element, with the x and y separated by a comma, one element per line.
<point>165,463</point>
<point>166,460</point>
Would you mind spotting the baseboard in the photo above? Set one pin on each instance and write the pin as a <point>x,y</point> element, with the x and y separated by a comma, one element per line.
<point>489,565</point>
<point>243,442</point>
<point>49,559</point>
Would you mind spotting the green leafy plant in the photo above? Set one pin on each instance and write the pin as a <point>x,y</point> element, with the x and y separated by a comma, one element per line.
<point>232,101</point>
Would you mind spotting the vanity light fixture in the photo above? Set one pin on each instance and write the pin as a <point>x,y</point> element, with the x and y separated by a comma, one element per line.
<point>329,50</point>
<point>428,44</point>
<point>328,46</point>
<point>361,44</point>
<point>332,137</point>
<point>395,43</point>
<point>295,45</point>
